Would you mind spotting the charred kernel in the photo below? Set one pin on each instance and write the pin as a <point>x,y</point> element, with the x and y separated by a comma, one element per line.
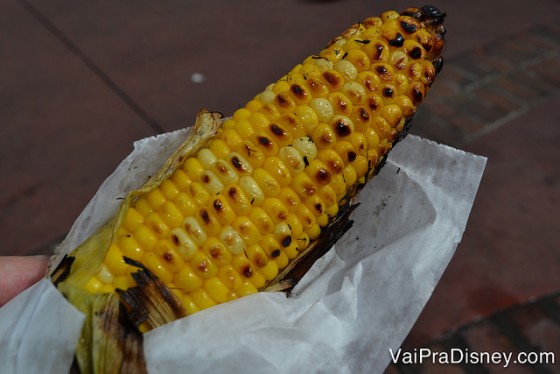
<point>277,130</point>
<point>333,78</point>
<point>415,52</point>
<point>205,216</point>
<point>351,156</point>
<point>342,126</point>
<point>275,253</point>
<point>237,163</point>
<point>408,27</point>
<point>298,91</point>
<point>286,241</point>
<point>284,101</point>
<point>397,41</point>
<point>247,271</point>
<point>388,92</point>
<point>438,63</point>
<point>263,140</point>
<point>384,72</point>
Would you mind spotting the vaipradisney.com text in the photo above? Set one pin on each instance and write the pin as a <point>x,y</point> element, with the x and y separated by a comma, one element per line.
<point>465,356</point>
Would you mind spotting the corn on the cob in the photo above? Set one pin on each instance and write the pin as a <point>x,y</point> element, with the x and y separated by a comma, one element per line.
<point>230,216</point>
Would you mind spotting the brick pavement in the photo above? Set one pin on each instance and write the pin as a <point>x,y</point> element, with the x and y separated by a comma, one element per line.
<point>481,90</point>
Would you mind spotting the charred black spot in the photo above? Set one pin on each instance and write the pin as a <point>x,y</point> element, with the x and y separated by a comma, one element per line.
<point>305,161</point>
<point>218,205</point>
<point>282,100</point>
<point>232,192</point>
<point>363,41</point>
<point>323,175</point>
<point>351,156</point>
<point>397,41</point>
<point>247,271</point>
<point>286,241</point>
<point>205,216</point>
<point>206,178</point>
<point>364,115</point>
<point>263,140</point>
<point>298,91</point>
<point>417,95</point>
<point>168,257</point>
<point>277,130</point>
<point>275,253</point>
<point>237,163</point>
<point>381,69</point>
<point>332,78</point>
<point>379,51</point>
<point>388,92</point>
<point>415,52</point>
<point>408,27</point>
<point>175,239</point>
<point>318,207</point>
<point>432,13</point>
<point>438,63</point>
<point>342,129</point>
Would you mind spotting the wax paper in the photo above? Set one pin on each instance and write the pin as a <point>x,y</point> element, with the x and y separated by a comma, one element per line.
<point>357,302</point>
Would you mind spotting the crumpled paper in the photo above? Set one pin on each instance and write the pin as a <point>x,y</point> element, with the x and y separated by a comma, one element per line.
<point>360,300</point>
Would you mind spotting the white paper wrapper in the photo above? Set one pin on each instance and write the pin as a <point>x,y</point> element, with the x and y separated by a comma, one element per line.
<point>355,304</point>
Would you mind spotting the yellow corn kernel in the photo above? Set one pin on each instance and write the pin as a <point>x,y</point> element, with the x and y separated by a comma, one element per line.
<point>292,250</point>
<point>240,164</point>
<point>170,215</point>
<point>261,219</point>
<point>275,209</point>
<point>185,204</point>
<point>280,135</point>
<point>251,153</point>
<point>306,216</point>
<point>324,136</point>
<point>143,207</point>
<point>328,195</point>
<point>268,185</point>
<point>203,266</point>
<point>187,280</point>
<point>130,246</point>
<point>168,189</point>
<point>152,262</point>
<point>183,242</point>
<point>199,193</point>
<point>315,204</point>
<point>292,158</point>
<point>303,240</point>
<point>208,221</point>
<point>265,143</point>
<point>294,224</point>
<point>93,285</point>
<point>229,277</point>
<point>314,231</point>
<point>169,255</point>
<point>360,165</point>
<point>346,151</point>
<point>206,157</point>
<point>341,104</point>
<point>338,184</point>
<point>104,275</point>
<point>270,270</point>
<point>318,172</point>
<point>279,171</point>
<point>342,126</point>
<point>283,234</point>
<point>217,252</point>
<point>392,114</point>
<point>244,129</point>
<point>247,229</point>
<point>181,180</point>
<point>225,172</point>
<point>115,262</point>
<point>303,185</point>
<point>289,198</point>
<point>217,290</point>
<point>307,116</point>
<point>201,299</point>
<point>245,269</point>
<point>132,219</point>
<point>252,190</point>
<point>232,240</point>
<point>222,210</point>
<point>157,224</point>
<point>306,147</point>
<point>332,160</point>
<point>190,306</point>
<point>145,237</point>
<point>231,137</point>
<point>237,199</point>
<point>193,168</point>
<point>355,92</point>
<point>293,124</point>
<point>211,182</point>
<point>228,124</point>
<point>246,288</point>
<point>349,175</point>
<point>323,108</point>
<point>358,58</point>
<point>155,198</point>
<point>256,255</point>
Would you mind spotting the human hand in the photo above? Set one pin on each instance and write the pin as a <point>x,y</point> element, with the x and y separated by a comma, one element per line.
<point>18,273</point>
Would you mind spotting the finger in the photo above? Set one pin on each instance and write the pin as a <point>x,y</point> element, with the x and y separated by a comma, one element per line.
<point>18,273</point>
